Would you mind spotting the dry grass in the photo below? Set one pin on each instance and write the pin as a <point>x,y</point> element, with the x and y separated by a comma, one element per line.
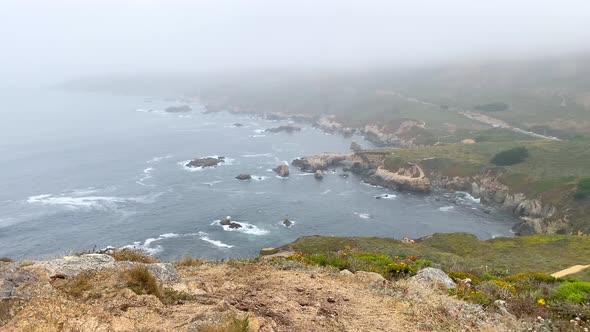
<point>131,255</point>
<point>78,285</point>
<point>190,261</point>
<point>232,323</point>
<point>141,281</point>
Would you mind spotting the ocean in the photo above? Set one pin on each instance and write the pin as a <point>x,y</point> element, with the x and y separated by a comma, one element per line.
<point>82,171</point>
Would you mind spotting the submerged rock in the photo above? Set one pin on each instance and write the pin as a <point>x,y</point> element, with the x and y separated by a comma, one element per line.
<point>178,109</point>
<point>237,124</point>
<point>205,162</point>
<point>344,175</point>
<point>282,170</point>
<point>228,222</point>
<point>287,223</point>
<point>287,129</point>
<point>244,177</point>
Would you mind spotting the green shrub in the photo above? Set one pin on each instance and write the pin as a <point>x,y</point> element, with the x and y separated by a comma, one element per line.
<point>510,157</point>
<point>583,189</point>
<point>575,292</point>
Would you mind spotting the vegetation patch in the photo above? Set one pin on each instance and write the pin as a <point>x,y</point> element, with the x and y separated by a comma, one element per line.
<point>389,267</point>
<point>141,281</point>
<point>510,157</point>
<point>6,260</point>
<point>575,292</point>
<point>583,189</point>
<point>492,107</point>
<point>131,255</point>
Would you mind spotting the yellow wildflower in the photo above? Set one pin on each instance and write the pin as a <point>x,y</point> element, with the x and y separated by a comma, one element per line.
<point>541,301</point>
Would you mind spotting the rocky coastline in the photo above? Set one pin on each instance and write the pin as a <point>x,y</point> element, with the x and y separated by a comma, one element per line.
<point>534,215</point>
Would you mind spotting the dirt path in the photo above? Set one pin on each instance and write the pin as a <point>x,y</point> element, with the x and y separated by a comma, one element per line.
<point>570,270</point>
<point>497,123</point>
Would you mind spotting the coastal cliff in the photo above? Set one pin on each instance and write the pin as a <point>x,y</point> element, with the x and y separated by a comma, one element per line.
<point>377,168</point>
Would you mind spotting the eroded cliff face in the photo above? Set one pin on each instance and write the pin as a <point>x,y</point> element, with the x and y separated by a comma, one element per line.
<point>535,215</point>
<point>410,178</point>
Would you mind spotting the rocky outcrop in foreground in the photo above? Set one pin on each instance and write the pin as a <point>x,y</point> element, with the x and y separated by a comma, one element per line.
<point>94,293</point>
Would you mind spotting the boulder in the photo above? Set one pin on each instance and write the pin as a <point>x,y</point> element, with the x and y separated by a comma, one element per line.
<point>370,277</point>
<point>346,273</point>
<point>318,175</point>
<point>287,129</point>
<point>244,177</point>
<point>70,266</point>
<point>178,109</point>
<point>287,223</point>
<point>344,175</point>
<point>205,162</point>
<point>164,272</point>
<point>282,170</point>
<point>431,275</point>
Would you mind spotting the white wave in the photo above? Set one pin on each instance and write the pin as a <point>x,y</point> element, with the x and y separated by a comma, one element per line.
<point>257,155</point>
<point>371,185</point>
<point>147,244</point>
<point>326,192</point>
<point>304,174</point>
<point>282,178</point>
<point>157,159</point>
<point>205,237</point>
<point>256,136</point>
<point>446,208</point>
<point>146,176</point>
<point>386,196</point>
<point>363,215</point>
<point>246,228</point>
<point>149,111</point>
<point>210,184</point>
<point>466,196</point>
<point>259,131</point>
<point>89,202</point>
<point>185,116</point>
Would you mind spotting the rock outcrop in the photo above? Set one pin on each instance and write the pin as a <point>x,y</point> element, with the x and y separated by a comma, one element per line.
<point>70,266</point>
<point>286,129</point>
<point>411,178</point>
<point>282,170</point>
<point>318,175</point>
<point>431,275</point>
<point>230,223</point>
<point>205,162</point>
<point>320,161</point>
<point>244,177</point>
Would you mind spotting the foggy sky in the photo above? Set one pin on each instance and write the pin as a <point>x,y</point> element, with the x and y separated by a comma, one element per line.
<point>61,39</point>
